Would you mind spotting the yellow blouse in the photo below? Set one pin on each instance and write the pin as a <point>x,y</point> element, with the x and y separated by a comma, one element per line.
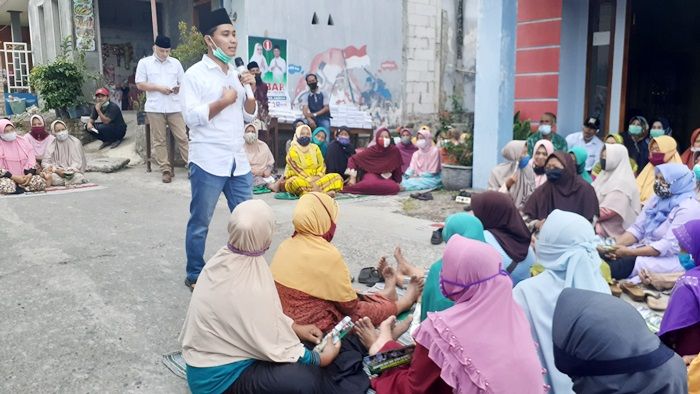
<point>305,164</point>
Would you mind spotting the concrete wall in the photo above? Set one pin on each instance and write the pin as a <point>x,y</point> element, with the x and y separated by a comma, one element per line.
<point>48,27</point>
<point>617,114</point>
<point>376,25</point>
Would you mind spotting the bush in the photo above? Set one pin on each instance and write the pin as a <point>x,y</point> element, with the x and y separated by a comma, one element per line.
<point>59,83</point>
<point>462,153</point>
<point>191,47</point>
<point>521,128</point>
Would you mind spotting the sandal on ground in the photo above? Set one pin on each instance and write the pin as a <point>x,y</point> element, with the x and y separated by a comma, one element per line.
<point>615,289</point>
<point>656,301</point>
<point>635,292</point>
<point>436,237</point>
<point>369,276</point>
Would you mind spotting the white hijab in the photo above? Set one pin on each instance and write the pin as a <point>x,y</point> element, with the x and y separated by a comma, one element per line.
<point>616,186</point>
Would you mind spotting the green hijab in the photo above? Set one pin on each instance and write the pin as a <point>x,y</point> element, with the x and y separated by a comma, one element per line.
<point>321,145</point>
<point>581,157</point>
<point>465,225</point>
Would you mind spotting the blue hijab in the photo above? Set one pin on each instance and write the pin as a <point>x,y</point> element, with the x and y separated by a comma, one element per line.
<point>681,182</point>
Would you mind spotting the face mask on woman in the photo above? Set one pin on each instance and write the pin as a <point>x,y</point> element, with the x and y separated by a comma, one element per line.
<point>304,141</point>
<point>554,174</point>
<point>661,189</point>
<point>421,144</point>
<point>344,140</point>
<point>61,135</point>
<point>386,142</point>
<point>656,133</point>
<point>250,138</point>
<point>657,158</point>
<point>635,129</point>
<point>406,140</point>
<point>9,137</point>
<point>523,161</point>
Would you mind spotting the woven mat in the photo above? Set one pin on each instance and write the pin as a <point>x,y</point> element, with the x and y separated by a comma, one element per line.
<point>54,190</point>
<point>338,196</point>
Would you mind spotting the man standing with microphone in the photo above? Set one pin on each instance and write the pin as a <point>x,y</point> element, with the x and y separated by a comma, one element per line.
<point>215,106</point>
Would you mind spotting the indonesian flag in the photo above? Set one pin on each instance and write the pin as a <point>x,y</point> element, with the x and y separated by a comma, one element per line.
<point>356,58</point>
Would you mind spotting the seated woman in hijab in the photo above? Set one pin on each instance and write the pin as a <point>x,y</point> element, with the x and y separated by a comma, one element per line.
<point>235,338</point>
<point>617,192</point>
<point>595,350</point>
<point>295,125</point>
<point>614,139</point>
<point>424,171</point>
<point>306,170</point>
<point>543,149</point>
<point>662,150</point>
<point>515,176</point>
<point>564,190</point>
<point>481,344</point>
<point>580,155</point>
<point>432,299</point>
<point>38,137</point>
<point>406,147</point>
<point>320,138</point>
<point>649,244</point>
<point>339,151</point>
<point>377,169</point>
<point>680,327</point>
<point>566,248</point>
<point>505,230</point>
<point>313,279</point>
<point>64,162</point>
<point>17,163</point>
<point>262,163</point>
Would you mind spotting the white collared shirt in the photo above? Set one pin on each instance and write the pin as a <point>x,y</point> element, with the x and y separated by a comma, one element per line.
<point>216,145</point>
<point>593,147</point>
<point>168,73</point>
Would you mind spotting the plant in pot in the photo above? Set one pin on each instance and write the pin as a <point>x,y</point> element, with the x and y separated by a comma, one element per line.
<point>521,128</point>
<point>139,105</point>
<point>458,176</point>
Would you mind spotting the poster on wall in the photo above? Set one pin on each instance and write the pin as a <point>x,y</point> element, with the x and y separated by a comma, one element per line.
<point>271,56</point>
<point>84,21</point>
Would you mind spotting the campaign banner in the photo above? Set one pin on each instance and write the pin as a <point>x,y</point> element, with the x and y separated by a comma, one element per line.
<point>271,56</point>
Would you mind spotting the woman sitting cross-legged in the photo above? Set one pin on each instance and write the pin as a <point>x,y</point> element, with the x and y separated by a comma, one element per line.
<point>424,170</point>
<point>516,176</point>
<point>564,190</point>
<point>306,170</point>
<point>566,248</point>
<point>339,151</point>
<point>262,163</point>
<point>313,280</point>
<point>604,345</point>
<point>17,163</point>
<point>377,169</point>
<point>617,192</point>
<point>39,137</point>
<point>64,162</point>
<point>649,244</point>
<point>235,338</point>
<point>481,344</point>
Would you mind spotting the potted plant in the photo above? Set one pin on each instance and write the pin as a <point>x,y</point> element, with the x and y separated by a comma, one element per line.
<point>139,105</point>
<point>521,128</point>
<point>458,176</point>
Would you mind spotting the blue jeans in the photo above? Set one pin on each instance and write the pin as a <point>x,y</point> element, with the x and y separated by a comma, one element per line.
<point>206,189</point>
<point>325,122</point>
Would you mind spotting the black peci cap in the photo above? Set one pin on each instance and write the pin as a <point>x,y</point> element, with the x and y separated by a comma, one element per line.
<point>162,42</point>
<point>592,123</point>
<point>213,19</point>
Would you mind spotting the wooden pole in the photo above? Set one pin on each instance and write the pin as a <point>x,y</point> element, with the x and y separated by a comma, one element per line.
<point>154,19</point>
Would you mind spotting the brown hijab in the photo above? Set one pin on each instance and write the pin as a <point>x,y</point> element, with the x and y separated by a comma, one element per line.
<point>500,217</point>
<point>570,193</point>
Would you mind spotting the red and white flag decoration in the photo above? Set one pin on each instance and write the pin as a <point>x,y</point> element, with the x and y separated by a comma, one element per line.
<point>356,57</point>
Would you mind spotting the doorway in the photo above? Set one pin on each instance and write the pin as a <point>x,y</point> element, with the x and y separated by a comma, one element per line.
<point>663,64</point>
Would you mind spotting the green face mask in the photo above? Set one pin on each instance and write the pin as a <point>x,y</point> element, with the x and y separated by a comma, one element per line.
<point>656,133</point>
<point>219,54</point>
<point>635,129</point>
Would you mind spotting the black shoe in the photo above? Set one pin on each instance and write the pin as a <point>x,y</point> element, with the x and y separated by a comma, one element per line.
<point>190,284</point>
<point>104,145</point>
<point>436,238</point>
<point>464,193</point>
<point>426,196</point>
<point>468,208</point>
<point>116,144</point>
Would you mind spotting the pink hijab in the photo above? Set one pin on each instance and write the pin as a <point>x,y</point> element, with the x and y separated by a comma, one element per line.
<point>482,343</point>
<point>15,156</point>
<point>549,147</point>
<point>426,160</point>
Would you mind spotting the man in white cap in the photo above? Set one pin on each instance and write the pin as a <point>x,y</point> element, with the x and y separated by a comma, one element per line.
<point>215,107</point>
<point>160,75</point>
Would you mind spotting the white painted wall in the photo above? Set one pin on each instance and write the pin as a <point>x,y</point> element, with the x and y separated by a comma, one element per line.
<point>616,112</point>
<point>572,66</point>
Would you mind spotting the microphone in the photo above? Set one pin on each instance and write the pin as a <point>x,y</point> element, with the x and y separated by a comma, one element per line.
<point>240,66</point>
